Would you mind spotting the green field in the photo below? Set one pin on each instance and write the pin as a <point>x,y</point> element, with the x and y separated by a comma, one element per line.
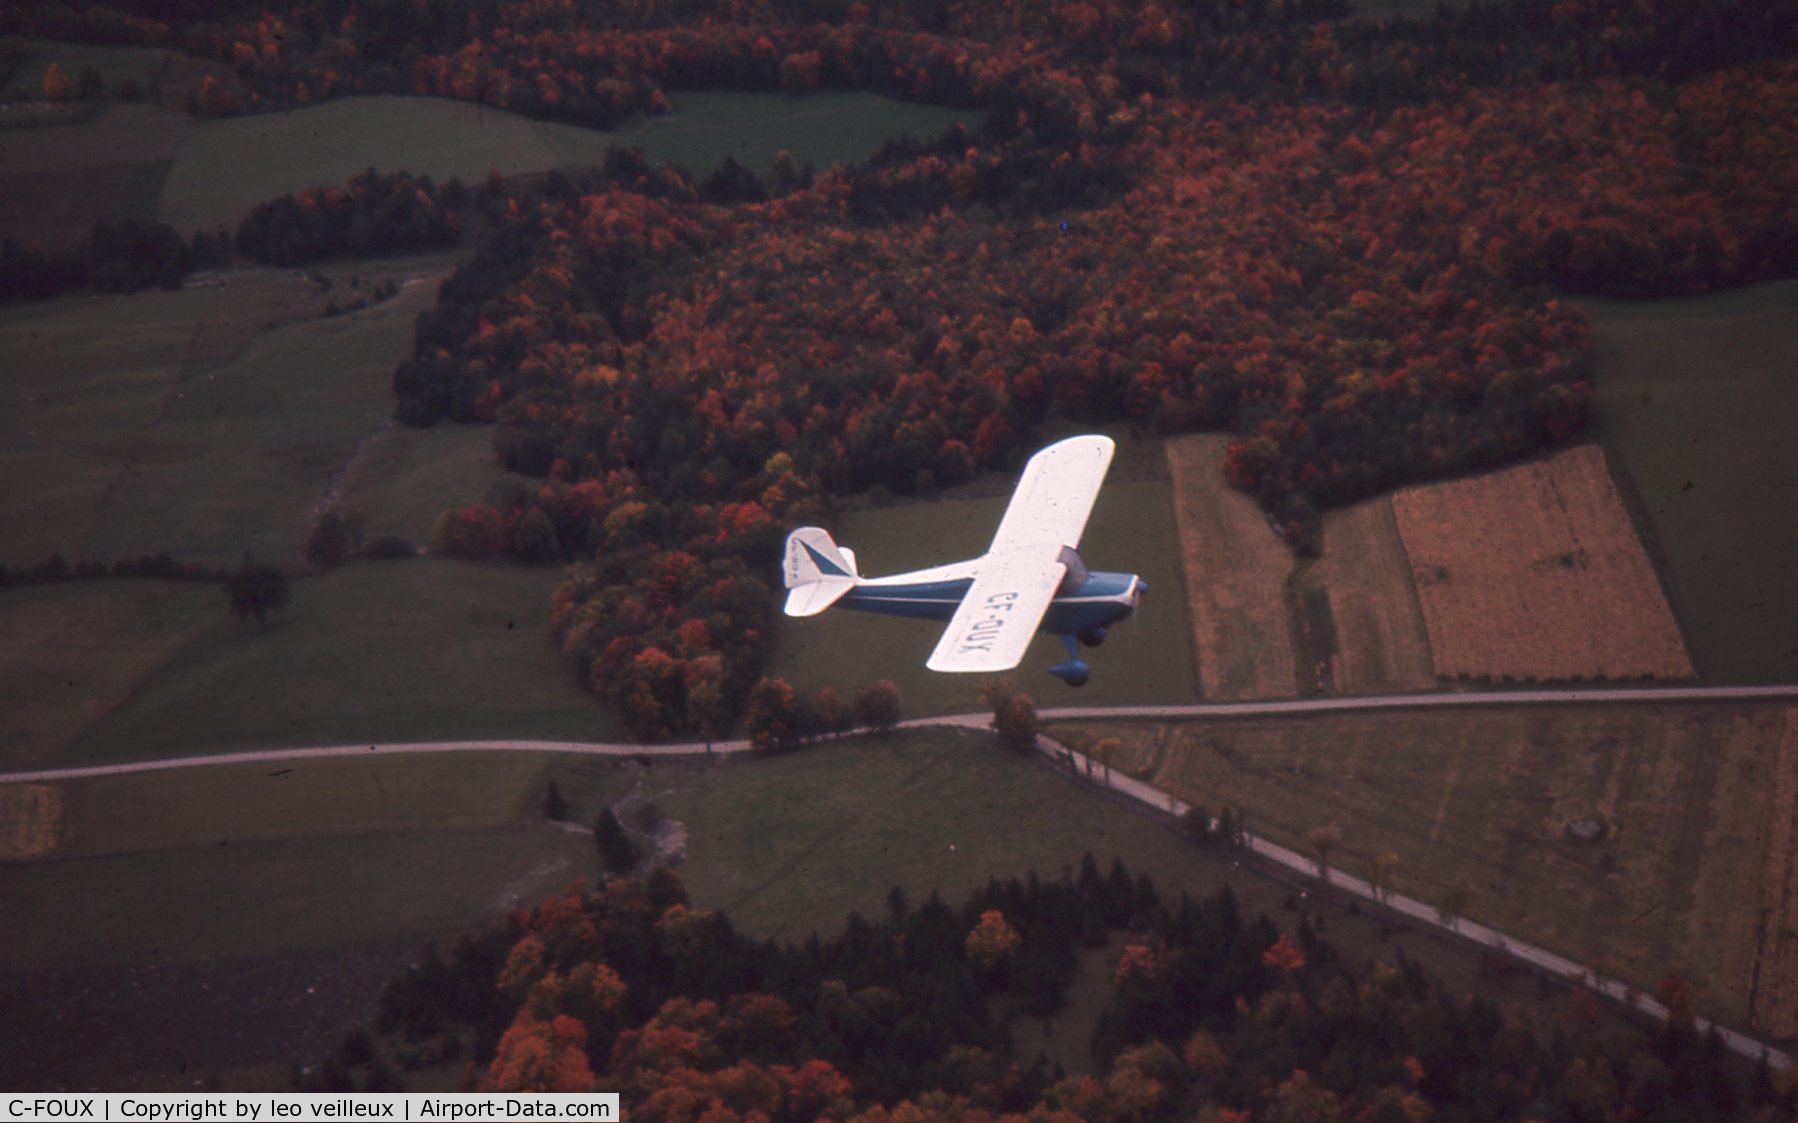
<point>59,180</point>
<point>820,129</point>
<point>1146,659</point>
<point>204,422</point>
<point>187,424</point>
<point>72,654</point>
<point>1695,401</point>
<point>226,167</point>
<point>272,859</point>
<point>376,651</point>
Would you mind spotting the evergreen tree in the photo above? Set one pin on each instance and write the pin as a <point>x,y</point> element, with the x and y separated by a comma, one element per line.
<point>256,590</point>
<point>616,848</point>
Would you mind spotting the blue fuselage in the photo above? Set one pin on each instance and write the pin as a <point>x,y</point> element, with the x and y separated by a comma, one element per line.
<point>1103,600</point>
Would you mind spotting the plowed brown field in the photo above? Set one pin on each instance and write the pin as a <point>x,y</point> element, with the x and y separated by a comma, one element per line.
<point>1775,998</point>
<point>1535,573</point>
<point>30,820</point>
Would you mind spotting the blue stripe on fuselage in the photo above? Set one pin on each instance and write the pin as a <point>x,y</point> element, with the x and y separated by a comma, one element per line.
<point>1096,604</point>
<point>927,600</point>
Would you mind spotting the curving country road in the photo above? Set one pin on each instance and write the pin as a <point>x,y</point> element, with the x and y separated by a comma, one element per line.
<point>1307,706</point>
<point>1418,911</point>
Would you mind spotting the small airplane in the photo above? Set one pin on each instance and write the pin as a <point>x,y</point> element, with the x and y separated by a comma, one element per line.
<point>1030,579</point>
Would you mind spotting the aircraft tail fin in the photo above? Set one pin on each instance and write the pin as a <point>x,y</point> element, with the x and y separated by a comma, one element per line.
<point>818,571</point>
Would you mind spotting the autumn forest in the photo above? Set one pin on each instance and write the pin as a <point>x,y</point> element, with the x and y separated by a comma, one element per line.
<point>1350,243</point>
<point>1347,243</point>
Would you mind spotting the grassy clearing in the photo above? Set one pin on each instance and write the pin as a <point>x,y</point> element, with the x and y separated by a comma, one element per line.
<point>203,422</point>
<point>1695,401</point>
<point>72,654</point>
<point>117,134</point>
<point>227,860</point>
<point>60,180</point>
<point>189,424</point>
<point>820,129</point>
<point>1535,573</point>
<point>238,803</point>
<point>1685,792</point>
<point>1146,658</point>
<point>260,439</point>
<point>86,380</point>
<point>1235,571</point>
<point>278,896</point>
<point>1380,642</point>
<point>377,651</point>
<point>403,477</point>
<point>226,167</point>
<point>790,845</point>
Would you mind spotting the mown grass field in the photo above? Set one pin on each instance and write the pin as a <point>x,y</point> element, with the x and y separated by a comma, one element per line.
<point>60,180</point>
<point>191,426</point>
<point>1534,573</point>
<point>202,422</point>
<point>279,896</point>
<point>1686,794</point>
<point>269,859</point>
<point>226,167</point>
<point>1695,403</point>
<point>1146,658</point>
<point>820,129</point>
<point>253,444</point>
<point>70,655</point>
<point>414,650</point>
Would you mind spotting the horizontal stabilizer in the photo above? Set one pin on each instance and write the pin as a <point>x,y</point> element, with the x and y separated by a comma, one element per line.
<point>809,600</point>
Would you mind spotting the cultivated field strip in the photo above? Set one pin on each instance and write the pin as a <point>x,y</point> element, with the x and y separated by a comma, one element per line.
<point>1775,996</point>
<point>30,820</point>
<point>1381,642</point>
<point>1235,570</point>
<point>1534,573</point>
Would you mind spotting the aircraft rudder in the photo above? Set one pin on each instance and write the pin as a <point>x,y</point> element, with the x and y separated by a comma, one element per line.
<point>817,571</point>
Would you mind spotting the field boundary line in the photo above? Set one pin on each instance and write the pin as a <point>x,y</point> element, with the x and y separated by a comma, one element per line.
<point>1422,701</point>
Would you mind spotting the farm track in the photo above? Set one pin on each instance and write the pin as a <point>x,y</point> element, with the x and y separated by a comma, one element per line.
<point>1419,912</point>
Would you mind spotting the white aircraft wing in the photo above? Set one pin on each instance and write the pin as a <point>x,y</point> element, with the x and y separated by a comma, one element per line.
<point>998,617</point>
<point>1054,497</point>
